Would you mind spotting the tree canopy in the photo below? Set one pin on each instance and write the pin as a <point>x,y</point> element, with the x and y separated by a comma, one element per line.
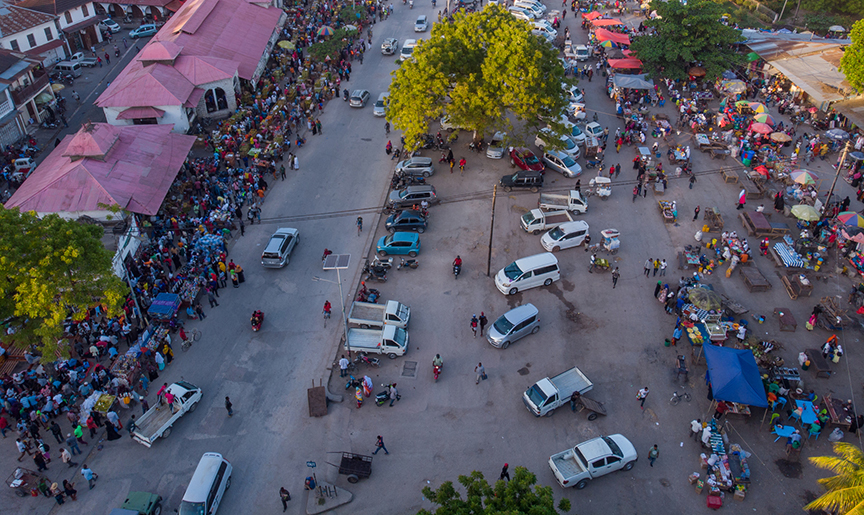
<point>53,268</point>
<point>852,62</point>
<point>845,493</point>
<point>687,35</point>
<point>517,496</point>
<point>479,69</point>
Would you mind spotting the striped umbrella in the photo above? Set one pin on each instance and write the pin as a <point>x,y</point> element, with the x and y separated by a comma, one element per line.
<point>851,218</point>
<point>325,31</point>
<point>761,128</point>
<point>608,44</point>
<point>757,107</point>
<point>804,177</point>
<point>764,118</point>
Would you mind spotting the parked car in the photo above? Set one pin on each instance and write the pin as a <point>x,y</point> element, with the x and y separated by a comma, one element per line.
<point>573,130</point>
<point>513,325</point>
<point>421,24</point>
<point>148,29</point>
<point>525,159</point>
<point>496,147</point>
<point>389,46</point>
<point>594,129</point>
<point>521,14</point>
<point>407,220</point>
<point>591,459</point>
<point>562,163</point>
<point>380,108</point>
<point>449,127</point>
<point>413,195</point>
<point>359,97</point>
<point>399,243</point>
<point>111,25</point>
<point>567,145</point>
<point>574,94</point>
<point>523,179</point>
<point>416,166</point>
<point>565,236</point>
<point>278,250</point>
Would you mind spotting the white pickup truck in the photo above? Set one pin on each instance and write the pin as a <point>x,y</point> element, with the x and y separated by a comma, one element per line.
<point>389,340</point>
<point>157,422</point>
<point>572,202</point>
<point>592,459</point>
<point>537,220</point>
<point>370,315</point>
<point>545,395</point>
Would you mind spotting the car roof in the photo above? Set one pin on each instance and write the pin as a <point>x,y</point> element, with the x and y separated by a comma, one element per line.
<point>405,236</point>
<point>557,153</point>
<point>542,259</point>
<point>592,124</point>
<point>417,188</point>
<point>421,17</point>
<point>526,173</point>
<point>594,448</point>
<point>520,313</point>
<point>573,226</point>
<point>285,230</point>
<point>409,42</point>
<point>419,159</point>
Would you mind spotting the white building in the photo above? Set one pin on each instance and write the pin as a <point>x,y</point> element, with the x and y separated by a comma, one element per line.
<point>32,32</point>
<point>75,19</point>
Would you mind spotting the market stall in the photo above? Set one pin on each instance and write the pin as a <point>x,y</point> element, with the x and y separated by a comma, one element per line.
<point>734,378</point>
<point>757,224</point>
<point>667,209</point>
<point>797,285</point>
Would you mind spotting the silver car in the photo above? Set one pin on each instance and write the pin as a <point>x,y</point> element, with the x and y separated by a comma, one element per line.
<point>416,166</point>
<point>278,250</point>
<point>413,195</point>
<point>513,325</point>
<point>380,108</point>
<point>496,147</point>
<point>359,98</point>
<point>389,46</point>
<point>562,163</point>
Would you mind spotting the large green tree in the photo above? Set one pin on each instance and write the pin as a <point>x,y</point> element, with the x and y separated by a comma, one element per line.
<point>480,69</point>
<point>517,496</point>
<point>845,493</point>
<point>687,34</point>
<point>852,62</point>
<point>52,268</point>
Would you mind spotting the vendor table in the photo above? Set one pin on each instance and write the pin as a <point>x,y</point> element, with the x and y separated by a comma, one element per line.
<point>783,431</point>
<point>787,321</point>
<point>666,210</point>
<point>738,409</point>
<point>754,279</point>
<point>808,412</point>
<point>729,175</point>
<point>796,286</point>
<point>688,258</point>
<point>819,364</point>
<point>713,219</point>
<point>758,225</point>
<point>837,412</point>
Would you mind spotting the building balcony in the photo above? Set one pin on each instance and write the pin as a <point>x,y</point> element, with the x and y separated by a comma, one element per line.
<point>21,95</point>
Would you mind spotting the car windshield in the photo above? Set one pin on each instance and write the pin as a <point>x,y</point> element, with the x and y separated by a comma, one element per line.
<point>388,240</point>
<point>568,161</point>
<point>400,336</point>
<point>528,218</point>
<point>568,143</point>
<point>502,325</point>
<point>530,159</point>
<point>577,131</point>
<point>512,271</point>
<point>613,447</point>
<point>191,508</point>
<point>556,233</point>
<point>379,103</point>
<point>536,395</point>
<point>407,50</point>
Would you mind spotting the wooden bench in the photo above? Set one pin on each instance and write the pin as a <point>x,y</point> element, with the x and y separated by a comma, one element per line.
<point>818,363</point>
<point>729,175</point>
<point>787,321</point>
<point>754,279</point>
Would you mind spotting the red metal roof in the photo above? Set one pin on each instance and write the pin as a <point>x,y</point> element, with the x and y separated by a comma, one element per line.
<point>18,19</point>
<point>136,171</point>
<point>141,112</point>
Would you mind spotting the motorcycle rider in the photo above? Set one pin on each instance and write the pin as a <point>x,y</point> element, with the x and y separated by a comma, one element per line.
<point>438,362</point>
<point>681,364</point>
<point>457,262</point>
<point>327,309</point>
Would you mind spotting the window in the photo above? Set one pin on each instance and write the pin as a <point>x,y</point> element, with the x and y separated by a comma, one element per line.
<point>599,463</point>
<point>210,101</point>
<point>14,45</point>
<point>84,10</point>
<point>48,34</point>
<point>31,40</point>
<point>221,101</point>
<point>68,16</point>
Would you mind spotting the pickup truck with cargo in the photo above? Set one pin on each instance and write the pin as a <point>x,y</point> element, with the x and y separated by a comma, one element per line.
<point>571,202</point>
<point>592,459</point>
<point>545,395</point>
<point>389,340</point>
<point>78,57</point>
<point>159,419</point>
<point>369,315</point>
<point>537,220</point>
<point>140,503</point>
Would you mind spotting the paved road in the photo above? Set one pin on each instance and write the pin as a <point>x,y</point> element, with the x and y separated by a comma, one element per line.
<point>440,430</point>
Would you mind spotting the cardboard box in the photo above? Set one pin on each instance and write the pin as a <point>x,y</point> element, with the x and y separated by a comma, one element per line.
<point>699,486</point>
<point>739,495</point>
<point>692,478</point>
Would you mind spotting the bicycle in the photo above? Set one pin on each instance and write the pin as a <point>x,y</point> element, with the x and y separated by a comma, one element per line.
<point>193,335</point>
<point>359,225</point>
<point>677,398</point>
<point>326,317</point>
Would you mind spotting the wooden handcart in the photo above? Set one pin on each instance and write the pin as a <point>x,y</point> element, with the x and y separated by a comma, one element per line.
<point>795,287</point>
<point>758,225</point>
<point>713,219</point>
<point>25,482</point>
<point>729,175</point>
<point>720,153</point>
<point>355,466</point>
<point>818,363</point>
<point>594,408</point>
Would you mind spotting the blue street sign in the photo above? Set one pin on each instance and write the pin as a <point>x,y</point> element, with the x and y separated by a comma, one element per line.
<point>310,464</point>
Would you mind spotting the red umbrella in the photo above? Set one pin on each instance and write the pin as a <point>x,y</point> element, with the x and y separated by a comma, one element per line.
<point>761,128</point>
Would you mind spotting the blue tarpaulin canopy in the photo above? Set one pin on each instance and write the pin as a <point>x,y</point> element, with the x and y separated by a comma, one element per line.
<point>734,376</point>
<point>164,306</point>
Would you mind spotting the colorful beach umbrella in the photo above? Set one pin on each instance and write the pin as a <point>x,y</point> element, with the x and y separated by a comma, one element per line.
<point>756,107</point>
<point>780,137</point>
<point>761,128</point>
<point>608,44</point>
<point>851,218</point>
<point>805,212</point>
<point>325,31</point>
<point>764,118</point>
<point>804,177</point>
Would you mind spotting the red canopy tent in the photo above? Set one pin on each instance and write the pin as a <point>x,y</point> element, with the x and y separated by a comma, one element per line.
<point>592,15</point>
<point>606,21</point>
<point>603,35</point>
<point>629,63</point>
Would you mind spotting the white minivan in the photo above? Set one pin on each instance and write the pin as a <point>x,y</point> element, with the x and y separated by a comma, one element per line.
<point>566,235</point>
<point>211,479</point>
<point>407,49</point>
<point>528,272</point>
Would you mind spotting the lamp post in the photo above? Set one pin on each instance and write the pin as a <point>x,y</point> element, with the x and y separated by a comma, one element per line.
<point>338,262</point>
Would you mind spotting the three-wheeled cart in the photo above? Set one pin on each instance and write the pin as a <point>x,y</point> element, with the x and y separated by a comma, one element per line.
<point>355,466</point>
<point>25,482</point>
<point>713,219</point>
<point>594,408</point>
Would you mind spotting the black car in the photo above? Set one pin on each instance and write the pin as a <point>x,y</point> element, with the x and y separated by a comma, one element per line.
<point>407,220</point>
<point>523,179</point>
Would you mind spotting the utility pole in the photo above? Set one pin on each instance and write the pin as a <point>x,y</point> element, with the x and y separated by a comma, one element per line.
<point>839,168</point>
<point>491,231</point>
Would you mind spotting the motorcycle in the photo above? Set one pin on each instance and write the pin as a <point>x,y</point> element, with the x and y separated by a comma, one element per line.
<point>370,295</point>
<point>457,269</point>
<point>443,158</point>
<point>436,371</point>
<point>363,358</point>
<point>410,4</point>
<point>48,125</point>
<point>591,163</point>
<point>257,319</point>
<point>382,397</point>
<point>353,382</point>
<point>345,95</point>
<point>387,263</point>
<point>407,263</point>
<point>379,273</point>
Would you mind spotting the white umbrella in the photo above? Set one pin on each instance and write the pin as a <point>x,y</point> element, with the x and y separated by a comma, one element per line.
<point>836,28</point>
<point>837,134</point>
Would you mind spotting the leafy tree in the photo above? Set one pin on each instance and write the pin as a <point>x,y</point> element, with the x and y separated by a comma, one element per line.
<point>687,35</point>
<point>479,69</point>
<point>852,62</point>
<point>52,268</point>
<point>517,496</point>
<point>845,493</point>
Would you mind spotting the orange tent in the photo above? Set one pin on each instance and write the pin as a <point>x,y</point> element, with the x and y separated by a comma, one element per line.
<point>592,15</point>
<point>630,63</point>
<point>603,35</point>
<point>606,21</point>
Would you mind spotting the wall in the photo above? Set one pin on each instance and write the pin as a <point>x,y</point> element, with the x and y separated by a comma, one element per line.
<point>259,70</point>
<point>77,15</point>
<point>173,115</point>
<point>21,37</point>
<point>228,86</point>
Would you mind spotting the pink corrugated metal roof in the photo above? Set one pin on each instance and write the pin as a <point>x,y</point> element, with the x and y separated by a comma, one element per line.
<point>196,95</point>
<point>141,112</point>
<point>160,51</point>
<point>92,140</point>
<point>203,70</point>
<point>153,85</point>
<point>135,174</point>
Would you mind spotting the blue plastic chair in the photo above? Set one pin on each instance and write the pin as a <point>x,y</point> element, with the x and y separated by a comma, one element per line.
<point>781,401</point>
<point>817,433</point>
<point>796,416</point>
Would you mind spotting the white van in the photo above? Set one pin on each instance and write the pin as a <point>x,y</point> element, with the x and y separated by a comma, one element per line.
<point>407,49</point>
<point>566,235</point>
<point>73,69</point>
<point>528,272</point>
<point>207,486</point>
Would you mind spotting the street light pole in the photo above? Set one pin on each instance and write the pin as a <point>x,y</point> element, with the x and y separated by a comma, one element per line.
<point>344,319</point>
<point>338,262</point>
<point>839,169</point>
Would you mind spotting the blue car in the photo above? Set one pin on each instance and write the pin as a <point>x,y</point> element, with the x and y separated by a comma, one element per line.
<point>399,243</point>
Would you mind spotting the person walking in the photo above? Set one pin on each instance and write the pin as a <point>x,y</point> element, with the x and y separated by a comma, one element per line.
<point>615,275</point>
<point>652,454</point>
<point>394,394</point>
<point>211,298</point>
<point>474,323</point>
<point>379,444</point>
<point>696,428</point>
<point>72,442</point>
<point>66,458</point>
<point>663,266</point>
<point>656,266</point>
<point>39,460</point>
<point>696,213</point>
<point>78,431</point>
<point>89,475</point>
<point>55,430</point>
<point>343,366</point>
<point>635,192</point>
<point>481,373</point>
<point>483,321</point>
<point>647,267</point>
<point>200,311</point>
<point>742,199</point>
<point>69,490</point>
<point>285,496</point>
<point>641,395</point>
<point>505,473</point>
<point>229,406</point>
<point>692,181</point>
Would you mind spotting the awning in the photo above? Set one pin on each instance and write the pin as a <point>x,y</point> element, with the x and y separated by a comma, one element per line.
<point>81,25</point>
<point>734,376</point>
<point>629,63</point>
<point>194,98</point>
<point>592,15</point>
<point>632,81</point>
<point>44,48</point>
<point>140,112</point>
<point>852,109</point>
<point>604,35</point>
<point>602,22</point>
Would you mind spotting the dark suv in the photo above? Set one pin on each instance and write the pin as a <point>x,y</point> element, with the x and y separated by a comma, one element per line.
<point>413,195</point>
<point>407,220</point>
<point>523,179</point>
